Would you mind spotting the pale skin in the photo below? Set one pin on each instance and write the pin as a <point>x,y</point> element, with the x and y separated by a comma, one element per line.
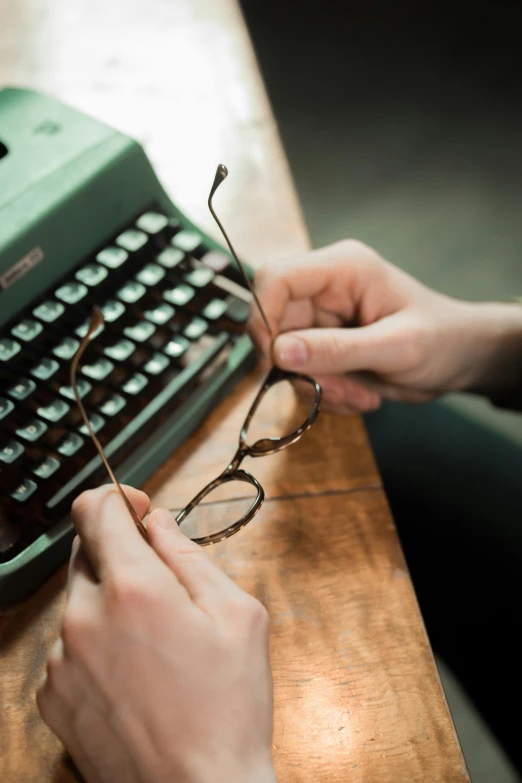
<point>162,670</point>
<point>411,343</point>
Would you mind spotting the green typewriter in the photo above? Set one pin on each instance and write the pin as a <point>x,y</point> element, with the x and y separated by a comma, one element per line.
<point>84,221</point>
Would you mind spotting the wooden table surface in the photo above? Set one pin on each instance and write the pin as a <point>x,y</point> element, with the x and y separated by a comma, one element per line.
<point>357,694</point>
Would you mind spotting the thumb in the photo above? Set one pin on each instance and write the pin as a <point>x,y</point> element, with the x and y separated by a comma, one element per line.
<point>334,351</point>
<point>204,581</point>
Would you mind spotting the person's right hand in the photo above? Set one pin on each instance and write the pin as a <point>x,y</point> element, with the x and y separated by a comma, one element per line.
<point>367,330</point>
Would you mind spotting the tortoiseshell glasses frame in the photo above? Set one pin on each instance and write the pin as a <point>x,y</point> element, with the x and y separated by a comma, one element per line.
<point>260,448</point>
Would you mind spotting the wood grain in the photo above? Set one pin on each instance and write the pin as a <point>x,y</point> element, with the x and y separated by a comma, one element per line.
<point>357,695</point>
<point>326,467</point>
<point>349,652</point>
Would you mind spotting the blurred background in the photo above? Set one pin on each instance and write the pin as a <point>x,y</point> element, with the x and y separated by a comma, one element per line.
<point>402,124</point>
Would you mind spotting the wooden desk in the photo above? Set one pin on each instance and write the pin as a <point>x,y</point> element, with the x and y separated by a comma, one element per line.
<point>357,693</point>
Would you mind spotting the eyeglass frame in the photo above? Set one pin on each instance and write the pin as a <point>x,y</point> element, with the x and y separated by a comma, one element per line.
<point>260,448</point>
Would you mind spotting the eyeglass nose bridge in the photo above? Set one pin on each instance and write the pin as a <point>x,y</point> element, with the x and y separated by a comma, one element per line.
<point>237,459</point>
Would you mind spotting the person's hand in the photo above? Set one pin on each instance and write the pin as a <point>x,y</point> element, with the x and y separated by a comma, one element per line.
<point>162,670</point>
<point>365,330</point>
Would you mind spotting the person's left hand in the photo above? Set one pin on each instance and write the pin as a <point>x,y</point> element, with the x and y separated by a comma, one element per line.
<point>162,670</point>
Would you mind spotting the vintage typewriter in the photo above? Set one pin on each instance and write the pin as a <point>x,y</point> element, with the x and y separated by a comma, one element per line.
<point>84,221</point>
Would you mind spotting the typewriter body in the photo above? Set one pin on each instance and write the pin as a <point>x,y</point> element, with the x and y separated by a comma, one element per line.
<point>84,221</point>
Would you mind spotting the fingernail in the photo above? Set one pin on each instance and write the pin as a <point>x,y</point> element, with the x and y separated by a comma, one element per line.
<point>291,351</point>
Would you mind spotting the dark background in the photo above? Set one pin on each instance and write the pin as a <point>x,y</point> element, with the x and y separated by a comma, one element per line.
<point>402,124</point>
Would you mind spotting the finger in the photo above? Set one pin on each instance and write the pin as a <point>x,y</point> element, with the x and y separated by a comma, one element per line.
<point>345,392</point>
<point>335,277</point>
<point>53,710</point>
<point>205,583</point>
<point>376,348</point>
<point>362,392</point>
<point>54,695</point>
<point>300,314</point>
<point>303,314</point>
<point>263,345</point>
<point>340,394</point>
<point>339,410</point>
<point>280,284</point>
<point>75,546</point>
<point>324,319</point>
<point>106,529</point>
<point>82,582</point>
<point>61,720</point>
<point>394,392</point>
<point>343,395</point>
<point>80,570</point>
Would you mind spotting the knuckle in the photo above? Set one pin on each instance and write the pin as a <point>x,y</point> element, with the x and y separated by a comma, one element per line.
<point>354,247</point>
<point>128,592</point>
<point>76,627</point>
<point>259,615</point>
<point>105,495</point>
<point>352,250</point>
<point>83,504</point>
<point>91,500</point>
<point>251,611</point>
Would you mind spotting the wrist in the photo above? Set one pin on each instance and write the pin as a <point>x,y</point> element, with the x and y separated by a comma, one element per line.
<point>493,348</point>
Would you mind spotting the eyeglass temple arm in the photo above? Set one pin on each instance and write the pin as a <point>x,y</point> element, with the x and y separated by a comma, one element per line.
<point>97,321</point>
<point>221,175</point>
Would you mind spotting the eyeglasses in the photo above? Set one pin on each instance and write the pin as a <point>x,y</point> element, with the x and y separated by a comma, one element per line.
<point>234,519</point>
